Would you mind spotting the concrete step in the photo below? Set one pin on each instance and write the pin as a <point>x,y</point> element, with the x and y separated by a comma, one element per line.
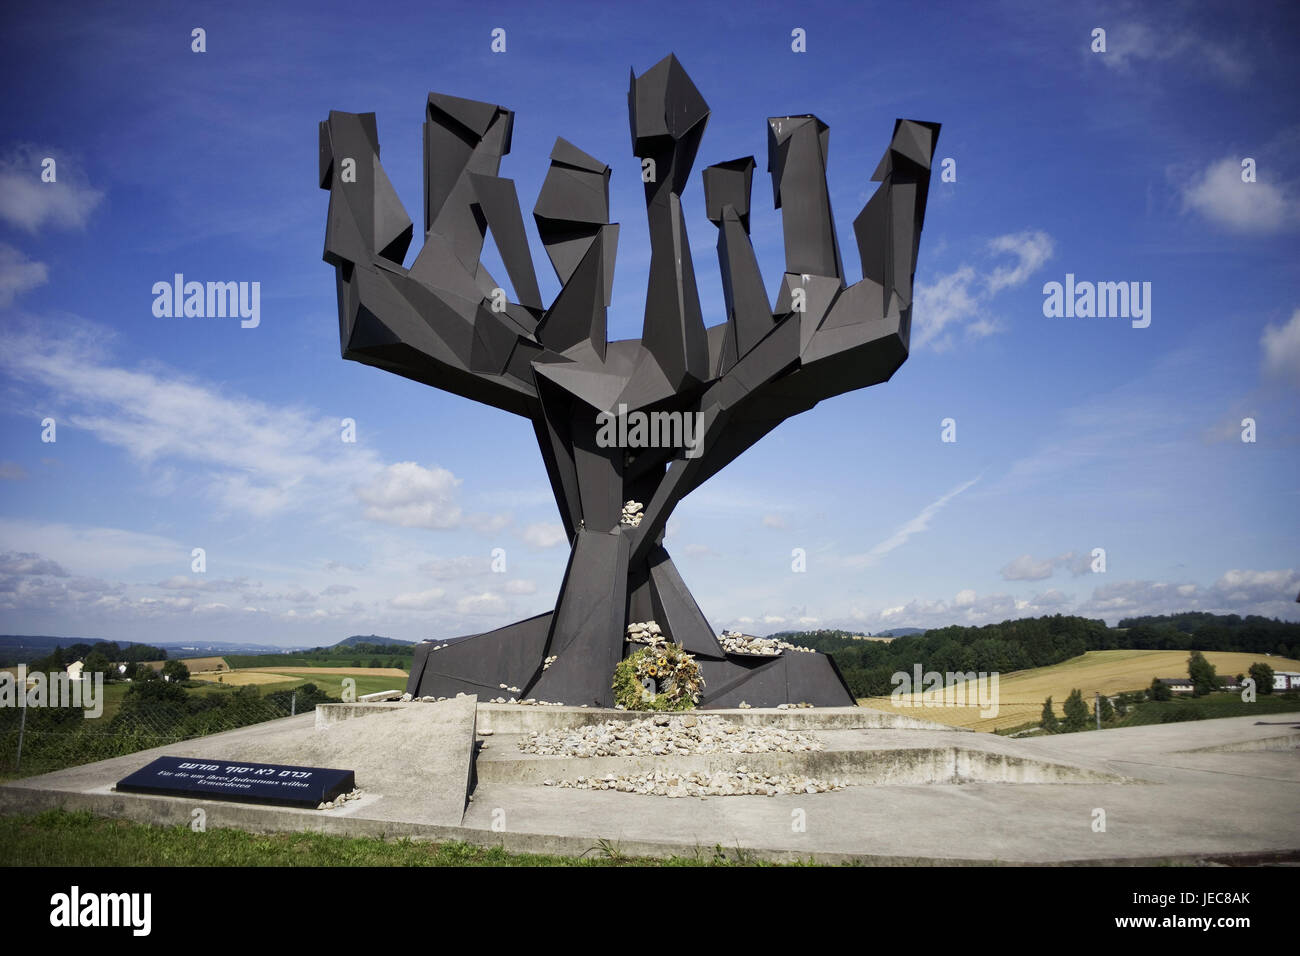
<point>849,756</point>
<point>533,718</point>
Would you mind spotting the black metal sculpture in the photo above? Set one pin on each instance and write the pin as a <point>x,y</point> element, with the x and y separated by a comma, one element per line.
<point>713,392</point>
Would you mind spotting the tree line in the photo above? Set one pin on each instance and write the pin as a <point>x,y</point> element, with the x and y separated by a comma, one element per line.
<point>1024,643</point>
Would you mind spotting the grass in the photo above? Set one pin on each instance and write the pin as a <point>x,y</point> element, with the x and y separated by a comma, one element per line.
<point>1021,694</point>
<point>62,838</point>
<point>1208,708</point>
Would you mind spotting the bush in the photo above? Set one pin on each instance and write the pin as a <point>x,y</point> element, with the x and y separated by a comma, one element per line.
<point>176,671</point>
<point>1160,691</point>
<point>671,669</point>
<point>1050,723</point>
<point>1076,713</point>
<point>1262,675</point>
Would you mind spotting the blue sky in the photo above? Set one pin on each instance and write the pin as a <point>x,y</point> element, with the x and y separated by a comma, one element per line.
<point>1072,433</point>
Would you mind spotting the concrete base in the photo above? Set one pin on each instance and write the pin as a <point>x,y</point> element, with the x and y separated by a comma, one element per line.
<point>1184,793</point>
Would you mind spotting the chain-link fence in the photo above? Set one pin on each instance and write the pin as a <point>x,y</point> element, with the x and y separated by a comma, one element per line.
<point>36,740</point>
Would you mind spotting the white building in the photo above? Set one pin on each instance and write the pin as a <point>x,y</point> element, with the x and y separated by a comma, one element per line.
<point>74,670</point>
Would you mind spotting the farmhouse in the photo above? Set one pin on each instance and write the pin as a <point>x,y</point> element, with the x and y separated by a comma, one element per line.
<point>1179,685</point>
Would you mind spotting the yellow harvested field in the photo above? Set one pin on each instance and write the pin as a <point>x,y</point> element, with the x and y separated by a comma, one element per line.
<point>205,663</point>
<point>240,678</point>
<point>338,671</point>
<point>1021,694</point>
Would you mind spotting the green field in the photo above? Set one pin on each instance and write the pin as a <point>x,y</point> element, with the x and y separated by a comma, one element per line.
<point>57,837</point>
<point>1209,708</point>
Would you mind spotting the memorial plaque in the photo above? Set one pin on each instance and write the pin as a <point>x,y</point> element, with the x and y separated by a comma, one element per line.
<point>277,784</point>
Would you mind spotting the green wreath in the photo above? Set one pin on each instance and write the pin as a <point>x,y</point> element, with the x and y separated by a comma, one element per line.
<point>675,674</point>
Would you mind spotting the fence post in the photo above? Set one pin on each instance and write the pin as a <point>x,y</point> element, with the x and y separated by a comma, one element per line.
<point>1096,706</point>
<point>293,704</point>
<point>22,726</point>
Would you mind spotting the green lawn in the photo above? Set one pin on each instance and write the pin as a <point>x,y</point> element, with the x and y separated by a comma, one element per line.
<point>1209,707</point>
<point>80,839</point>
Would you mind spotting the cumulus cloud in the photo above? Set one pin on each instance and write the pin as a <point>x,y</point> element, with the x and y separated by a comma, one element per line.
<point>520,586</point>
<point>29,203</point>
<point>1029,568</point>
<point>544,534</point>
<point>13,562</point>
<point>411,496</point>
<point>959,300</point>
<point>1219,195</point>
<point>1281,346</point>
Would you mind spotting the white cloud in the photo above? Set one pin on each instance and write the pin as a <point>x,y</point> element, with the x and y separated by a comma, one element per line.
<point>479,604</point>
<point>1282,349</point>
<point>520,586</point>
<point>93,550</point>
<point>774,521</point>
<point>1128,44</point>
<point>419,600</point>
<point>464,566</point>
<point>28,203</point>
<point>959,299</point>
<point>18,274</point>
<point>411,496</point>
<point>250,457</point>
<point>1027,568</point>
<point>1219,195</point>
<point>13,562</point>
<point>1031,248</point>
<point>544,534</point>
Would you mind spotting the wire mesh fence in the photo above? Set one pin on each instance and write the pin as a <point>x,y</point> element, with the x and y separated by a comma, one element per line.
<point>35,740</point>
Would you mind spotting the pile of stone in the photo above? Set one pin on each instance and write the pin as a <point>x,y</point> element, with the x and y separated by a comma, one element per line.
<point>632,513</point>
<point>341,799</point>
<point>722,783</point>
<point>733,642</point>
<point>531,701</point>
<point>665,734</point>
<point>646,632</point>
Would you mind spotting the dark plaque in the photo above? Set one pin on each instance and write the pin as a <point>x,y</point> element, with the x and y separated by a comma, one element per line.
<point>246,782</point>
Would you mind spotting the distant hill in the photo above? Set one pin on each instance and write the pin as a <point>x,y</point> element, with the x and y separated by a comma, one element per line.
<point>371,639</point>
<point>901,632</point>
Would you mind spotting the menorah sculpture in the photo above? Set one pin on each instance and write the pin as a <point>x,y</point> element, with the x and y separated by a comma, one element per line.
<point>447,322</point>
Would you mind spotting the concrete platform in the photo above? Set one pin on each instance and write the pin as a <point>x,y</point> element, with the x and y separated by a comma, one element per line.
<point>1217,790</point>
